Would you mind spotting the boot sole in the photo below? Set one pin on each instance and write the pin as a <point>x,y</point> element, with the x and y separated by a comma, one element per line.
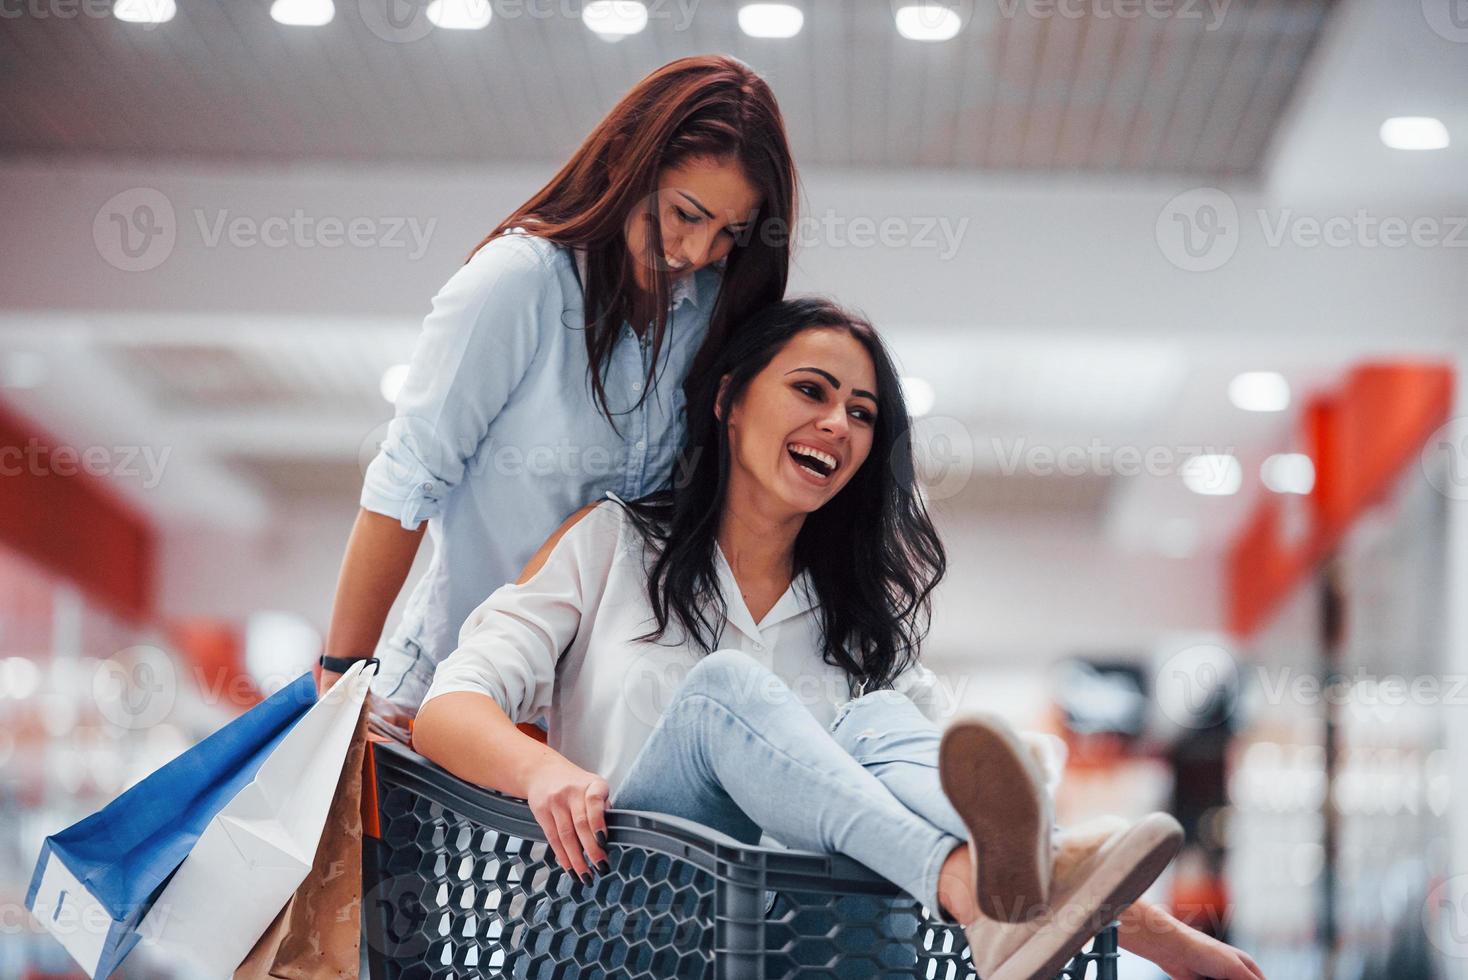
<point>997,788</point>
<point>1119,873</point>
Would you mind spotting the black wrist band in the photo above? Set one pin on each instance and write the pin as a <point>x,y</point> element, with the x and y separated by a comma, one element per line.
<point>340,665</point>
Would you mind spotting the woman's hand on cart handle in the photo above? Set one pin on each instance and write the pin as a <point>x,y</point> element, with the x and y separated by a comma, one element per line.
<point>570,804</point>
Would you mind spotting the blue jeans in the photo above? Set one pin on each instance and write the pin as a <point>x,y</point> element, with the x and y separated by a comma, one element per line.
<point>735,750</point>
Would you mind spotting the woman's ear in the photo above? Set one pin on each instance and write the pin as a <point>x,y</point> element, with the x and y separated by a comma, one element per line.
<point>719,398</point>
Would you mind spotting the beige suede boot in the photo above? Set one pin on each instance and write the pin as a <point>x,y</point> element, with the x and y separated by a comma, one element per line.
<point>1096,876</point>
<point>1077,843</point>
<point>997,784</point>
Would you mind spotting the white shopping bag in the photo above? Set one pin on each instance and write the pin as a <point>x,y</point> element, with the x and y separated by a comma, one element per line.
<point>256,852</point>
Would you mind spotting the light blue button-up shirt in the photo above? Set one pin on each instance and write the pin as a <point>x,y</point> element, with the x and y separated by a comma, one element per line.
<point>497,439</point>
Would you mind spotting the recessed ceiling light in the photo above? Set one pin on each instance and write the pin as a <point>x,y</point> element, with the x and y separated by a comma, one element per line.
<point>144,11</point>
<point>460,15</point>
<point>770,20</point>
<point>302,13</point>
<point>1288,473</point>
<point>392,382</point>
<point>919,396</point>
<point>1414,133</point>
<point>1260,391</point>
<point>927,22</point>
<point>613,20</point>
<point>1213,474</point>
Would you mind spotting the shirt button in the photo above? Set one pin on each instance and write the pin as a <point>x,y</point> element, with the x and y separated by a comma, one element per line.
<point>759,646</point>
<point>641,444</point>
<point>637,386</point>
<point>427,486</point>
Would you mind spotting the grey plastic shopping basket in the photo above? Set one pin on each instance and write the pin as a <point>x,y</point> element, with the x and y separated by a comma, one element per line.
<point>459,882</point>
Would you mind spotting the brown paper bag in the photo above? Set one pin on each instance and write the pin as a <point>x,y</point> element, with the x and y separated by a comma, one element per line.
<point>317,935</point>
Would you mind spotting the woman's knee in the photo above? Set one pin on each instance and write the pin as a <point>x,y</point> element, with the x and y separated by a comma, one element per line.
<point>732,676</point>
<point>883,708</point>
<point>879,715</point>
<point>722,668</point>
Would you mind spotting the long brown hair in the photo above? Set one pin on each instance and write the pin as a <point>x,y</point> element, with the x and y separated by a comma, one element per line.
<point>706,106</point>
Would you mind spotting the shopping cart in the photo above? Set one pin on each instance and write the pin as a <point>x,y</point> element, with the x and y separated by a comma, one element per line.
<point>459,882</point>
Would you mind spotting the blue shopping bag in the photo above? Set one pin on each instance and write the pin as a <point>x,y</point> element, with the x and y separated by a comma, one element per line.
<point>95,880</point>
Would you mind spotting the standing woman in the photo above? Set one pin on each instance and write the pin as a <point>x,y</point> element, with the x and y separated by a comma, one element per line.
<point>551,367</point>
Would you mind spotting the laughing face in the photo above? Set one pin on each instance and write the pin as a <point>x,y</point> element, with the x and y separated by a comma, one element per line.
<point>804,425</point>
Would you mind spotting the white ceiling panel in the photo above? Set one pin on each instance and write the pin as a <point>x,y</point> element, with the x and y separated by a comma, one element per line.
<point>1024,87</point>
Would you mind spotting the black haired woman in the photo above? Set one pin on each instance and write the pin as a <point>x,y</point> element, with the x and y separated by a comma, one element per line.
<point>551,368</point>
<point>697,653</point>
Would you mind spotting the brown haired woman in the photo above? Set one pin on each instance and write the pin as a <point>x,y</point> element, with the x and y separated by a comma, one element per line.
<point>551,367</point>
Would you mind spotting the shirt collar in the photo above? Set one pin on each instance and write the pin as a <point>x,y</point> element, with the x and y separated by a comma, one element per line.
<point>799,597</point>
<point>685,288</point>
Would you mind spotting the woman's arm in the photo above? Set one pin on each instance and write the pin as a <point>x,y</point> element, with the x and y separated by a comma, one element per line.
<point>475,347</point>
<point>503,672</point>
<point>379,554</point>
<point>568,802</point>
<point>497,755</point>
<point>473,737</point>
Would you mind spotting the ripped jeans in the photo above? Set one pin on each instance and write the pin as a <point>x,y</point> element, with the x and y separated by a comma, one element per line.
<point>735,750</point>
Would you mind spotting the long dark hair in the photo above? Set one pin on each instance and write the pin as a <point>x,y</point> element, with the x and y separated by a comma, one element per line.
<point>703,107</point>
<point>873,555</point>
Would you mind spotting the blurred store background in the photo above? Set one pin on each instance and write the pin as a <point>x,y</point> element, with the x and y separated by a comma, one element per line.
<point>1180,287</point>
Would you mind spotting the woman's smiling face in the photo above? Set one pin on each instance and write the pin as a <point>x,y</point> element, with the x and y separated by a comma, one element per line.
<point>804,425</point>
<point>702,208</point>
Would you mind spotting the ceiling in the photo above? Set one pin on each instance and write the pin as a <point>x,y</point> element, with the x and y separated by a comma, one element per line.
<point>293,411</point>
<point>1022,88</point>
<point>1382,59</point>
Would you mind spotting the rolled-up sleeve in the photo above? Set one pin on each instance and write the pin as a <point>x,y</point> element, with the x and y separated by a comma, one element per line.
<point>510,645</point>
<point>476,345</point>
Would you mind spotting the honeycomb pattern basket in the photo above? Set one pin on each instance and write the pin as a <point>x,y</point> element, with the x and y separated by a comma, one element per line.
<point>459,882</point>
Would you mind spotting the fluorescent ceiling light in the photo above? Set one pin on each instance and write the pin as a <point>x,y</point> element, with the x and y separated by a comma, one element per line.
<point>1414,133</point>
<point>1288,473</point>
<point>613,20</point>
<point>1260,391</point>
<point>770,20</point>
<point>460,15</point>
<point>302,13</point>
<point>144,11</point>
<point>927,22</point>
<point>1213,474</point>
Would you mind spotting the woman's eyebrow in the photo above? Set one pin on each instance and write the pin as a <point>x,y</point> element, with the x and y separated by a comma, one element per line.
<point>709,214</point>
<point>834,382</point>
<point>696,203</point>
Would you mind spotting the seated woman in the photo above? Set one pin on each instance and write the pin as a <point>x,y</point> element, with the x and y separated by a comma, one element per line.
<point>741,651</point>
